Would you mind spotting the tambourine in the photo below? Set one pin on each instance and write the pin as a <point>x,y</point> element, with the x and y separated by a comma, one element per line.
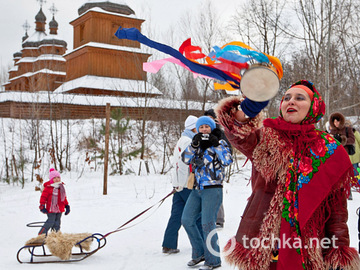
<point>260,82</point>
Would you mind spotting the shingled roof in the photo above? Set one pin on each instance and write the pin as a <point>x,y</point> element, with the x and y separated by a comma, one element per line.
<point>107,6</point>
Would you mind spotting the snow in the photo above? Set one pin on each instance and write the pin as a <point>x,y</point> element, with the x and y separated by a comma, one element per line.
<point>14,68</point>
<point>35,37</point>
<point>44,96</point>
<point>108,83</point>
<point>47,45</point>
<point>100,10</point>
<point>44,70</point>
<point>137,247</point>
<point>53,57</point>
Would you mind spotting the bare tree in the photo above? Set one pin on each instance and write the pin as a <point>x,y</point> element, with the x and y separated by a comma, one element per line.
<point>4,76</point>
<point>206,31</point>
<point>349,28</point>
<point>325,24</point>
<point>315,32</point>
<point>262,24</point>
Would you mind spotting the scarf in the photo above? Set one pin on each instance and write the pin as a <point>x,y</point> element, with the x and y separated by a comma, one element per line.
<point>58,190</point>
<point>188,133</point>
<point>315,155</point>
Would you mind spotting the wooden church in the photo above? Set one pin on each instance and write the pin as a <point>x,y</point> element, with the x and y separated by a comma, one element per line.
<point>47,82</point>
<point>40,65</point>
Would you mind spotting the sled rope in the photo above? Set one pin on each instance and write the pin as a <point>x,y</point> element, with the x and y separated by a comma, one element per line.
<point>159,203</point>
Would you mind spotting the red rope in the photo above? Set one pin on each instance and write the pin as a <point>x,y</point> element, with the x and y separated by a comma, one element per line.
<point>138,215</point>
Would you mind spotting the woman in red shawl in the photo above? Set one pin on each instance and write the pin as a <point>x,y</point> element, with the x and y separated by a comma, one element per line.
<point>296,215</point>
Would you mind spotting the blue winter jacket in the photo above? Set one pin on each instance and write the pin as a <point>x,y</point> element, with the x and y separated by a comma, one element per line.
<point>208,164</point>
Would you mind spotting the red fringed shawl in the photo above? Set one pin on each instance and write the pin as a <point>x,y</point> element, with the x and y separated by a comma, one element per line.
<point>313,174</point>
<point>318,166</point>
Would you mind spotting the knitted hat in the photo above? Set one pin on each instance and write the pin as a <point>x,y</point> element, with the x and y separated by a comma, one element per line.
<point>53,173</point>
<point>190,122</point>
<point>205,120</point>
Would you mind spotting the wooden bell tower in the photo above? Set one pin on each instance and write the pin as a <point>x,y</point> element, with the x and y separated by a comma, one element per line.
<point>98,52</point>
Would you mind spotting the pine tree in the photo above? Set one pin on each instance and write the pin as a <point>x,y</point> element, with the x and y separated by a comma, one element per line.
<point>120,152</point>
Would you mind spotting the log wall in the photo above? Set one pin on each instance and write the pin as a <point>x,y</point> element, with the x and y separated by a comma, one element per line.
<point>22,110</point>
<point>99,27</point>
<point>105,62</point>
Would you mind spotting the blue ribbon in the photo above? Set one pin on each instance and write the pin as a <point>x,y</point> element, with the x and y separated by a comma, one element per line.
<point>228,53</point>
<point>134,34</point>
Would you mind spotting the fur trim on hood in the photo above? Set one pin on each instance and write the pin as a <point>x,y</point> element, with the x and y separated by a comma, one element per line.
<point>339,116</point>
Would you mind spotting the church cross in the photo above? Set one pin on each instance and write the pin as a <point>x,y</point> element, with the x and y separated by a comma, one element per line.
<point>53,9</point>
<point>42,2</point>
<point>26,26</point>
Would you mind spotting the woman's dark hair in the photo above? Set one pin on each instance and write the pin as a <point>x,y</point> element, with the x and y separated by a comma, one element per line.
<point>336,117</point>
<point>211,113</point>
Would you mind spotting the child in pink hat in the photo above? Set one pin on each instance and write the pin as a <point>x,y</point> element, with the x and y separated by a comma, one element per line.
<point>53,202</point>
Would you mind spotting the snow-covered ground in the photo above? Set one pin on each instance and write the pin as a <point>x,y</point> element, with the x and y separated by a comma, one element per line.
<point>138,247</point>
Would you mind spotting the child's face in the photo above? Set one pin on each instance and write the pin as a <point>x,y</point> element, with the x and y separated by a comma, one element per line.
<point>205,129</point>
<point>56,179</point>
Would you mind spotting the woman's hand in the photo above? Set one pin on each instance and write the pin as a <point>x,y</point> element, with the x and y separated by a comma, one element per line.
<point>241,117</point>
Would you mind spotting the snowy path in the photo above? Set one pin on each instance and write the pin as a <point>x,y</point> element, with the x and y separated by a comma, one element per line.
<point>138,247</point>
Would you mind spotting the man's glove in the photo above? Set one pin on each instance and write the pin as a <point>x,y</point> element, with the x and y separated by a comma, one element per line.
<point>213,140</point>
<point>43,209</point>
<point>196,140</point>
<point>338,137</point>
<point>67,209</point>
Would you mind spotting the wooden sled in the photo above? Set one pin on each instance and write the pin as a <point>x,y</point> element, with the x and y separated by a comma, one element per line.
<point>57,247</point>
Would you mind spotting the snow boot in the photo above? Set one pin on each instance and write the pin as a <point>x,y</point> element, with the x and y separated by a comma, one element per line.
<point>170,250</point>
<point>194,262</point>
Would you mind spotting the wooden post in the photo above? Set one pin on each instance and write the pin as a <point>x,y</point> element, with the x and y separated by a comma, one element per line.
<point>106,157</point>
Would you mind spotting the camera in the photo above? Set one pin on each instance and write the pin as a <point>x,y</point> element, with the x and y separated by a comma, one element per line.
<point>337,137</point>
<point>205,137</point>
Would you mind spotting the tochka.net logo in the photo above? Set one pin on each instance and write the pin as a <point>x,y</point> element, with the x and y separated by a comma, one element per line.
<point>273,242</point>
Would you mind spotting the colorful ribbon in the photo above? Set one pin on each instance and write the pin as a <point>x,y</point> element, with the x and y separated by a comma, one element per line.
<point>223,64</point>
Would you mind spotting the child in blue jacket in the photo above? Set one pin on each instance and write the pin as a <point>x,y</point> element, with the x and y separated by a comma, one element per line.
<point>208,154</point>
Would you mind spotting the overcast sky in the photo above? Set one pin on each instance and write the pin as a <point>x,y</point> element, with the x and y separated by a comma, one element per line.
<point>16,12</point>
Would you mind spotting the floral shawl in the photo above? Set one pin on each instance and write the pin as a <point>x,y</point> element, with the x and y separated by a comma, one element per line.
<point>317,167</point>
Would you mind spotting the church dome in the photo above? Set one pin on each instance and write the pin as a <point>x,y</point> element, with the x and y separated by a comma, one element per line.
<point>53,23</point>
<point>17,55</point>
<point>40,17</point>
